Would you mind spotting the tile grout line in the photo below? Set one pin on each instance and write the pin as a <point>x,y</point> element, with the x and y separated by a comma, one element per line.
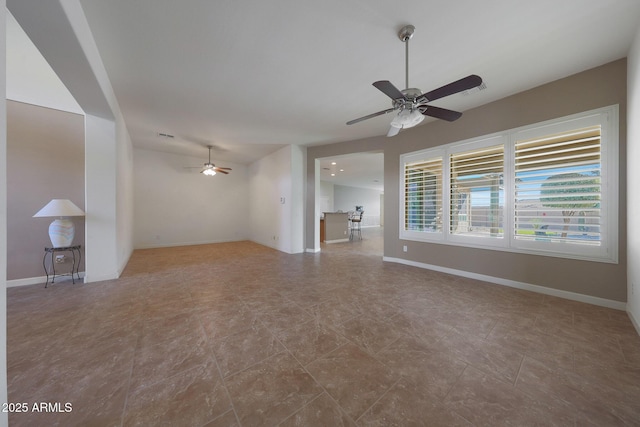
<point>301,408</point>
<point>133,361</point>
<point>344,412</point>
<point>444,398</point>
<point>314,380</point>
<point>379,398</point>
<point>515,381</point>
<point>215,360</point>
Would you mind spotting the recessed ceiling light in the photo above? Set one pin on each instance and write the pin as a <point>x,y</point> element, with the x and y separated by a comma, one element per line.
<point>333,163</point>
<point>341,170</point>
<point>333,174</point>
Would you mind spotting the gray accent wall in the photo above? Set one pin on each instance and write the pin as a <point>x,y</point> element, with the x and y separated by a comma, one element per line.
<point>591,89</point>
<point>45,160</point>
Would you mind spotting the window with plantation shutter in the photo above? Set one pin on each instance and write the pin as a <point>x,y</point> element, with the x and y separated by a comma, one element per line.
<point>423,201</point>
<point>477,192</point>
<point>558,187</point>
<point>547,189</point>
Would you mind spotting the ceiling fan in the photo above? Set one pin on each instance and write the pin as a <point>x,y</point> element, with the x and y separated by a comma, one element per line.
<point>411,103</point>
<point>210,169</point>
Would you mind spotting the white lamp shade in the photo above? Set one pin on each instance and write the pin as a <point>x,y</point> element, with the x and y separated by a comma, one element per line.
<point>59,208</point>
<point>61,230</point>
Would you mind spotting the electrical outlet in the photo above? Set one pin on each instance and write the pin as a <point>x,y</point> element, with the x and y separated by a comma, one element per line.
<point>60,259</point>
<point>404,248</point>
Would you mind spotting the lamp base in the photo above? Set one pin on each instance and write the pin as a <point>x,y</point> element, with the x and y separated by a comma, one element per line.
<point>61,233</point>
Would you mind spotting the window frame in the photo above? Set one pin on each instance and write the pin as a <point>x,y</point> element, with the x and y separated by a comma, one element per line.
<point>607,251</point>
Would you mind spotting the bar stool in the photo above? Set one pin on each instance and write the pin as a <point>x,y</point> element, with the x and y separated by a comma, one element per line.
<point>356,221</point>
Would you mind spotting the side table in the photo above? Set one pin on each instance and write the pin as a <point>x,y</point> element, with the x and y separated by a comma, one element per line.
<point>74,267</point>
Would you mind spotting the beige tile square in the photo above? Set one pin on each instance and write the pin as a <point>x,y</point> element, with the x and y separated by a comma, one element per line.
<point>493,358</point>
<point>437,371</point>
<point>191,397</point>
<point>483,399</point>
<point>322,411</point>
<point>372,335</point>
<point>270,391</point>
<point>352,377</point>
<point>243,349</point>
<point>310,340</point>
<point>409,403</point>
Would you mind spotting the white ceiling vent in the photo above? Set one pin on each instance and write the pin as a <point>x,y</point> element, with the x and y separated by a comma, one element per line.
<point>476,89</point>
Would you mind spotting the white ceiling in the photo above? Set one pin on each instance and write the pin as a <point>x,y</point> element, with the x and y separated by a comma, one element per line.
<point>250,76</point>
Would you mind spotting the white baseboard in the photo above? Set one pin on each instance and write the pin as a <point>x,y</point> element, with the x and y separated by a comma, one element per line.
<point>515,284</point>
<point>37,280</point>
<point>172,245</point>
<point>312,251</point>
<point>93,278</point>
<point>336,241</point>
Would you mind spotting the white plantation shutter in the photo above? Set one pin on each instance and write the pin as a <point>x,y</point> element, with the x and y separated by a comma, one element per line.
<point>423,195</point>
<point>558,187</point>
<point>477,193</point>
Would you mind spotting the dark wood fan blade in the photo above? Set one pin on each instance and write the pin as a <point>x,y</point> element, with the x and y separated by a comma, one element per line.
<point>379,113</point>
<point>389,89</point>
<point>224,168</point>
<point>221,171</point>
<point>440,113</point>
<point>466,83</point>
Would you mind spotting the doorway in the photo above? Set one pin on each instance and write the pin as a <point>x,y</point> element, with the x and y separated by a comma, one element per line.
<point>351,183</point>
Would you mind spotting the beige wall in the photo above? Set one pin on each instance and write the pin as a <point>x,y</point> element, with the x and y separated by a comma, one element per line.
<point>336,226</point>
<point>599,87</point>
<point>195,209</point>
<point>45,160</point>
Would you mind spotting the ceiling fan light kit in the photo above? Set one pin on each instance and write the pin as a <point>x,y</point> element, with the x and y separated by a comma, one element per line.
<point>411,103</point>
<point>407,118</point>
<point>208,169</point>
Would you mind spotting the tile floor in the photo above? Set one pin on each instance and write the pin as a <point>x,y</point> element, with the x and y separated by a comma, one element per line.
<point>238,334</point>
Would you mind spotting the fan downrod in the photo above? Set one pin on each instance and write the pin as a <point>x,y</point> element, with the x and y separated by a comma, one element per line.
<point>404,35</point>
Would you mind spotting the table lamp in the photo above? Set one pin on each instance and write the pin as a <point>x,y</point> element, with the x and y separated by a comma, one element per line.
<point>61,230</point>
